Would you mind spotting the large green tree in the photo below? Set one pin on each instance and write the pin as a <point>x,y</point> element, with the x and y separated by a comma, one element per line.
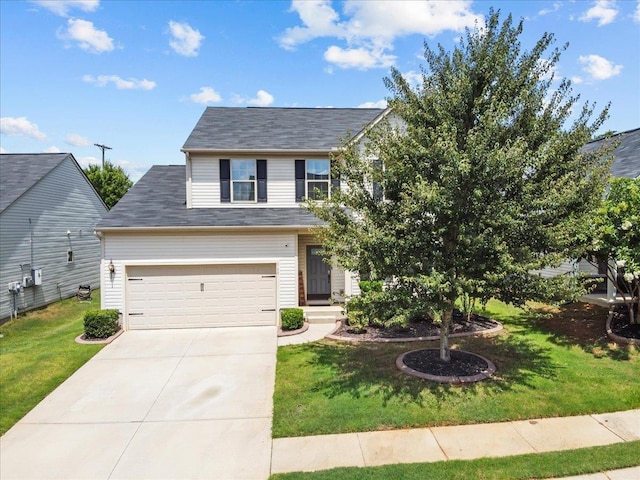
<point>613,238</point>
<point>475,180</point>
<point>111,182</point>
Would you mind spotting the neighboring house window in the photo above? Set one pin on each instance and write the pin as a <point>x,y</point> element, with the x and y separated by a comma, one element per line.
<point>243,180</point>
<point>313,179</point>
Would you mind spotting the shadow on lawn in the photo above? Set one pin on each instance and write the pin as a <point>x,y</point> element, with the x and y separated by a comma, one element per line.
<point>369,369</point>
<point>583,325</point>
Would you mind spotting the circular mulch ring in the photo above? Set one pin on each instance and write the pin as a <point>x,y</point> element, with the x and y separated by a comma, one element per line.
<point>619,328</point>
<point>419,331</point>
<point>464,367</point>
<point>97,341</point>
<point>288,333</point>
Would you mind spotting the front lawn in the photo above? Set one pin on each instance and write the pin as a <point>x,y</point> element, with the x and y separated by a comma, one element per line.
<point>38,352</point>
<point>541,465</point>
<point>555,362</point>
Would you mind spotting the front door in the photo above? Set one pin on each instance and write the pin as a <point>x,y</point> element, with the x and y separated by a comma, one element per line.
<point>318,274</point>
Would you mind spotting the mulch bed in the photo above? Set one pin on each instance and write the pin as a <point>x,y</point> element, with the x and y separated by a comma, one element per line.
<point>421,329</point>
<point>620,325</point>
<point>461,364</point>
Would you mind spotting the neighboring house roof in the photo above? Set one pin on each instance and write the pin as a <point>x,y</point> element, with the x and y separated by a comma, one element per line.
<point>626,155</point>
<point>275,129</point>
<point>157,200</point>
<point>21,171</point>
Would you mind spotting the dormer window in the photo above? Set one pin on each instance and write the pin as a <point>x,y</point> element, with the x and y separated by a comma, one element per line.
<point>243,180</point>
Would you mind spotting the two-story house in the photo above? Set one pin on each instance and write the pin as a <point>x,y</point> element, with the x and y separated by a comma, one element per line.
<point>223,240</point>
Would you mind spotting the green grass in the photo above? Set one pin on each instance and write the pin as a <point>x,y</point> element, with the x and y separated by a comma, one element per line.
<point>542,465</point>
<point>336,387</point>
<point>38,352</point>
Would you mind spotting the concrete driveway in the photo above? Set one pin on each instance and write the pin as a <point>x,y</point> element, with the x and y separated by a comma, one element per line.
<point>156,404</point>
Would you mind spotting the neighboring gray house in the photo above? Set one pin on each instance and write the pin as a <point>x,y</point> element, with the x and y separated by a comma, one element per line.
<point>223,240</point>
<point>626,164</point>
<point>48,211</point>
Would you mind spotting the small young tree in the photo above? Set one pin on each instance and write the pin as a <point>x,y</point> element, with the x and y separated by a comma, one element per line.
<point>613,238</point>
<point>479,183</point>
<point>110,182</point>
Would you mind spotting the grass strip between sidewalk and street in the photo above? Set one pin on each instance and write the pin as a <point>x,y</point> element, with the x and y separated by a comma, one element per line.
<point>38,352</point>
<point>537,465</point>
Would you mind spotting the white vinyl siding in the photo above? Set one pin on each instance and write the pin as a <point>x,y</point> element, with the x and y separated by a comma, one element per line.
<point>202,248</point>
<point>205,183</point>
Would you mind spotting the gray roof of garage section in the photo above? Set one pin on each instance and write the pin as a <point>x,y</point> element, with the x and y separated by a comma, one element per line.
<point>157,200</point>
<point>274,129</point>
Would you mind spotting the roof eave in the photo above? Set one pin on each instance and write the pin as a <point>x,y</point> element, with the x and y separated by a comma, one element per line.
<point>256,151</point>
<point>202,228</point>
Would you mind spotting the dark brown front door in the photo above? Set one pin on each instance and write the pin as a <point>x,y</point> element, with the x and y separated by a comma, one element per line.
<point>318,274</point>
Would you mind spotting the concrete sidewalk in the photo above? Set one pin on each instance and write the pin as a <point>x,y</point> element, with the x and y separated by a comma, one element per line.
<point>458,442</point>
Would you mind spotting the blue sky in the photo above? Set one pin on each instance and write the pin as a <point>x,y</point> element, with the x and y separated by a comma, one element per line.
<point>137,75</point>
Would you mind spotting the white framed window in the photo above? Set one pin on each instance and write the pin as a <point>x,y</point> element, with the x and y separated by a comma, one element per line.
<point>317,179</point>
<point>243,180</point>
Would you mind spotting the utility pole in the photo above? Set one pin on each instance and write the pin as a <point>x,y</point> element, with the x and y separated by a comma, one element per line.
<point>103,148</point>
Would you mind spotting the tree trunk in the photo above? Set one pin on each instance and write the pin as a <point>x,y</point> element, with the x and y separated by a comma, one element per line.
<point>445,352</point>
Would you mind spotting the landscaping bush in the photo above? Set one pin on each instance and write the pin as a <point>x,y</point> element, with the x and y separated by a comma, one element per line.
<point>291,318</point>
<point>367,286</point>
<point>101,323</point>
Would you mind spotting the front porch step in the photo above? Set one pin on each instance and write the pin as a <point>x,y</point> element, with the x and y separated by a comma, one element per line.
<point>323,314</point>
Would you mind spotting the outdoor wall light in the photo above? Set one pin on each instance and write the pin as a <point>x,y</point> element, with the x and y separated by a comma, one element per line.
<point>112,267</point>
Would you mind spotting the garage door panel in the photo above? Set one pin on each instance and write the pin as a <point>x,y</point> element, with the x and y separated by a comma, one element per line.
<point>197,296</point>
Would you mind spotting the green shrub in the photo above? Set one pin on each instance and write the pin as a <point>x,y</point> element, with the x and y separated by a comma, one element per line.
<point>101,323</point>
<point>367,286</point>
<point>291,318</point>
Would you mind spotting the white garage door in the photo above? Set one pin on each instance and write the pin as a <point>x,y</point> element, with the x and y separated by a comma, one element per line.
<point>201,296</point>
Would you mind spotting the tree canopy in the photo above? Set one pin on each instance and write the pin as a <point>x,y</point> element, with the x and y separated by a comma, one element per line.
<point>473,181</point>
<point>110,182</point>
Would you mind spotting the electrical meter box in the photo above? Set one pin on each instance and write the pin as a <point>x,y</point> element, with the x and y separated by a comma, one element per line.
<point>36,276</point>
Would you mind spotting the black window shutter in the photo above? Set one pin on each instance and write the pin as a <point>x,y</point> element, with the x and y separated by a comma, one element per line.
<point>261,167</point>
<point>300,172</point>
<point>377,188</point>
<point>225,181</point>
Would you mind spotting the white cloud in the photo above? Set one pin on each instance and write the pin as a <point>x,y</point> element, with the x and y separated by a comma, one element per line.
<point>378,104</point>
<point>555,8</point>
<point>369,28</point>
<point>604,11</point>
<point>262,99</point>
<point>20,126</point>
<point>361,58</point>
<point>599,67</point>
<point>413,78</point>
<point>577,80</point>
<point>120,83</point>
<point>636,14</point>
<point>88,37</point>
<point>52,149</point>
<point>2,150</point>
<point>185,40</point>
<point>77,140</point>
<point>62,7</point>
<point>84,162</point>
<point>206,95</point>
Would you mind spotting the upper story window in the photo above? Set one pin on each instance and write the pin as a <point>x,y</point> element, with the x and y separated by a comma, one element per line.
<point>317,179</point>
<point>313,179</point>
<point>243,180</point>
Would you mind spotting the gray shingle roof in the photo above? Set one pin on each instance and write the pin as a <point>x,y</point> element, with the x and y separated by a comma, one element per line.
<point>21,171</point>
<point>158,200</point>
<point>626,155</point>
<point>298,129</point>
